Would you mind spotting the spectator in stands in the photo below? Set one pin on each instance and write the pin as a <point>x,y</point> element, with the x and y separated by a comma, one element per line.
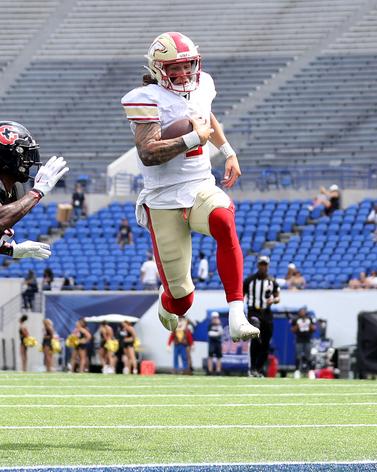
<point>48,278</point>
<point>149,274</point>
<point>372,279</point>
<point>372,217</point>
<point>330,198</point>
<point>215,332</point>
<point>296,281</point>
<point>124,234</point>
<point>127,342</point>
<point>48,335</point>
<point>80,351</point>
<point>30,288</point>
<point>284,282</point>
<point>261,292</point>
<point>18,153</point>
<point>303,327</point>
<point>67,283</point>
<point>180,194</point>
<point>181,338</point>
<point>79,206</point>
<point>361,283</point>
<point>203,268</point>
<point>24,333</point>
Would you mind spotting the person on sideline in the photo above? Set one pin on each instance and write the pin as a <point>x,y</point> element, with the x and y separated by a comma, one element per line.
<point>80,352</point>
<point>24,333</point>
<point>48,335</point>
<point>128,337</point>
<point>261,292</point>
<point>179,194</point>
<point>215,332</point>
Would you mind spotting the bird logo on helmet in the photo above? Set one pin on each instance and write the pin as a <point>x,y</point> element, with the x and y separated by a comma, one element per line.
<point>174,48</point>
<point>18,150</point>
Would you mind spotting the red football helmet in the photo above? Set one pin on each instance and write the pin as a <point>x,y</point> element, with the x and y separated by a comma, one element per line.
<point>174,49</point>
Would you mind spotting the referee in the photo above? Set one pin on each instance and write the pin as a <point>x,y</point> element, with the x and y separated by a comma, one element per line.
<point>261,291</point>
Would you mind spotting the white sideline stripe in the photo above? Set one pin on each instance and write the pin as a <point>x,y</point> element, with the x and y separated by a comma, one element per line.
<point>115,386</point>
<point>191,395</point>
<point>185,464</point>
<point>185,405</point>
<point>212,426</point>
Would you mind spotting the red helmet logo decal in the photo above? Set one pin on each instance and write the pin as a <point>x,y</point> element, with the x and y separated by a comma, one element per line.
<point>8,135</point>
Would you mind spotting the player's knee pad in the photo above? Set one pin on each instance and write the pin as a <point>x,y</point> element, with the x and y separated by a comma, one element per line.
<point>178,306</point>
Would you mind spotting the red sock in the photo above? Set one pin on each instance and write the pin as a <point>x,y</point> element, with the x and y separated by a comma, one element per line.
<point>229,253</point>
<point>178,306</point>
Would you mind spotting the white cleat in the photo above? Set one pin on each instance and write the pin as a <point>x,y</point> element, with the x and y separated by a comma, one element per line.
<point>243,332</point>
<point>168,320</point>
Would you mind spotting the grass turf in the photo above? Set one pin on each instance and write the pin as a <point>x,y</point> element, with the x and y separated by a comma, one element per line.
<point>248,414</point>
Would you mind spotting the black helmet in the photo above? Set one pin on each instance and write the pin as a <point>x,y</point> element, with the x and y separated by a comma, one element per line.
<point>18,150</point>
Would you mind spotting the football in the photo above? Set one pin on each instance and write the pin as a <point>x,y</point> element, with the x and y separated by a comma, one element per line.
<point>176,129</point>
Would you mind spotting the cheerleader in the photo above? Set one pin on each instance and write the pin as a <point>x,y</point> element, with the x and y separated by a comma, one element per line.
<point>80,350</point>
<point>24,333</point>
<point>106,351</point>
<point>128,337</point>
<point>48,336</point>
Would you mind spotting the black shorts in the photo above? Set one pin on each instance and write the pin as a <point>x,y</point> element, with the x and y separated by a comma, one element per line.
<point>214,350</point>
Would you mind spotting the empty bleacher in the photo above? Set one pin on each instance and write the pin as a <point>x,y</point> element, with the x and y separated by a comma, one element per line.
<point>326,113</point>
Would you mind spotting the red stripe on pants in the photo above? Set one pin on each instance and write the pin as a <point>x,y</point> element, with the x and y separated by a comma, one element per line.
<point>178,306</point>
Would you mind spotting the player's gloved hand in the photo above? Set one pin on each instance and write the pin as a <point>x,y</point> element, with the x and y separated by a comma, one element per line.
<point>202,128</point>
<point>31,249</point>
<point>49,174</point>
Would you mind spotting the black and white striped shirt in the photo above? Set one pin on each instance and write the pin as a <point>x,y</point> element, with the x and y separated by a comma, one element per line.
<point>258,291</point>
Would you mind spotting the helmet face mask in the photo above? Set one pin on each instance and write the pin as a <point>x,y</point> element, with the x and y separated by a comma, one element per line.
<point>171,49</point>
<point>18,151</point>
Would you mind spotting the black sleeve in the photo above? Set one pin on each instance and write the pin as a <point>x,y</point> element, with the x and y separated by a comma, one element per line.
<point>246,284</point>
<point>276,288</point>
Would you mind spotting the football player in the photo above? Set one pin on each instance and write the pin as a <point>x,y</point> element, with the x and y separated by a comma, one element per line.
<point>179,193</point>
<point>18,153</point>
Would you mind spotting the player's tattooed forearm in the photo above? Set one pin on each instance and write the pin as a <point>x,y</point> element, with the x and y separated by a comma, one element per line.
<point>13,212</point>
<point>151,149</point>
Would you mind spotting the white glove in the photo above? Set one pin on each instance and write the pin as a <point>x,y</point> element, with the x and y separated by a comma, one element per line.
<point>49,174</point>
<point>31,249</point>
<point>6,236</point>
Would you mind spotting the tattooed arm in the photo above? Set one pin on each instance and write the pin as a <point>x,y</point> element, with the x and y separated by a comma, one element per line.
<point>13,212</point>
<point>154,151</point>
<point>151,149</point>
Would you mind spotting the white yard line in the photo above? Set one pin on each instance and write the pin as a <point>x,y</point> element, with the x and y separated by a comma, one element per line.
<point>187,405</point>
<point>196,427</point>
<point>183,395</point>
<point>143,386</point>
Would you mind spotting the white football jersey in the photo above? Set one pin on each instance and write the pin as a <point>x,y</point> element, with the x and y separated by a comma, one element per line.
<point>153,103</point>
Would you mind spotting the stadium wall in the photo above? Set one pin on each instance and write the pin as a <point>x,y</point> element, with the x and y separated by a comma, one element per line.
<point>339,307</point>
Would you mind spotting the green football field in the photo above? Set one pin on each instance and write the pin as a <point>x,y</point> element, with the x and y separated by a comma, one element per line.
<point>60,419</point>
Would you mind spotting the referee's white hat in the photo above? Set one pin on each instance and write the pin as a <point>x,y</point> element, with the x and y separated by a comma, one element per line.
<point>263,260</point>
